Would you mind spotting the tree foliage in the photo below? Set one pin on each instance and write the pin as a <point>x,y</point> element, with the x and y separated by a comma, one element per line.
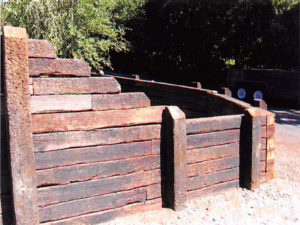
<point>85,29</point>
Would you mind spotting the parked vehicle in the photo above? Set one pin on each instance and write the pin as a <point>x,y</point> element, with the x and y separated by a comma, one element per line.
<point>249,83</point>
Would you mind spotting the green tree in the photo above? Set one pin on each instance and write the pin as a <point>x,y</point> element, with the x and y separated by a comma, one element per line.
<point>85,29</point>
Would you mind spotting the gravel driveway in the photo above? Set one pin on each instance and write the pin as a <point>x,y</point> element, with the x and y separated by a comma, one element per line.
<point>276,202</point>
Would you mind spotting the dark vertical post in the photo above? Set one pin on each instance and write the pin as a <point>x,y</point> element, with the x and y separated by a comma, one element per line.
<point>17,101</point>
<point>250,144</point>
<point>173,155</point>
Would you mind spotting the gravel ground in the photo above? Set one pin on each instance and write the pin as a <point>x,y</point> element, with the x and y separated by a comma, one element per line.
<point>276,202</point>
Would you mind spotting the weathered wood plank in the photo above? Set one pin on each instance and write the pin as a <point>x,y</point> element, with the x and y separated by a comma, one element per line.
<point>17,101</point>
<point>211,179</point>
<point>120,101</point>
<point>84,172</point>
<point>40,49</point>
<point>63,140</point>
<point>73,156</point>
<point>44,123</point>
<point>84,85</point>
<point>270,132</point>
<point>263,155</point>
<point>263,131</point>
<point>213,189</point>
<point>153,191</point>
<point>199,169</point>
<point>100,217</point>
<point>71,67</point>
<point>60,103</point>
<point>262,166</point>
<point>213,138</point>
<point>156,145</point>
<point>62,193</point>
<point>90,205</point>
<point>219,103</point>
<point>214,152</point>
<point>205,125</point>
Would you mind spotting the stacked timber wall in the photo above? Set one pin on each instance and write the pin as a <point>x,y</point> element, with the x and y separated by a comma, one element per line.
<point>76,150</point>
<point>101,158</point>
<point>212,154</point>
<point>197,102</point>
<point>194,102</point>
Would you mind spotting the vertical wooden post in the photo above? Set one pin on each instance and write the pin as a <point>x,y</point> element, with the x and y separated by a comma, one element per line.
<point>17,101</point>
<point>250,145</point>
<point>174,159</point>
<point>226,91</point>
<point>260,103</point>
<point>197,84</point>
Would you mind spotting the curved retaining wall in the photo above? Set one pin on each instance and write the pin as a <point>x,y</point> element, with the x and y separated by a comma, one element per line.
<point>75,149</point>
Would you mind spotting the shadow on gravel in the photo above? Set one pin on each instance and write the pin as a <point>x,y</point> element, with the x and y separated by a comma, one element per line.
<point>287,116</point>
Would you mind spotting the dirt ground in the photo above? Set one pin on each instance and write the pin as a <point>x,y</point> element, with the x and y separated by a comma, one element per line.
<point>276,202</point>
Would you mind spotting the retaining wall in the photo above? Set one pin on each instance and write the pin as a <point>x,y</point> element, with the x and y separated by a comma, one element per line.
<point>202,103</point>
<point>194,102</point>
<point>76,150</point>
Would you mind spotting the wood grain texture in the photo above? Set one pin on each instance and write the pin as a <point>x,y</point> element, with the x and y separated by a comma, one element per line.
<point>63,193</point>
<point>73,156</point>
<point>263,155</point>
<point>90,205</point>
<point>120,101</point>
<point>153,191</point>
<point>63,140</point>
<point>211,153</point>
<point>60,103</point>
<point>199,169</point>
<point>40,49</point>
<point>104,216</point>
<point>45,123</point>
<point>212,178</point>
<point>70,67</point>
<point>156,147</point>
<point>84,172</point>
<point>84,85</point>
<point>213,189</point>
<point>205,125</point>
<point>212,139</point>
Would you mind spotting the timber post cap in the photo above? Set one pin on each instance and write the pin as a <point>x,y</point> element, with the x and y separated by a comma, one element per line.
<point>15,32</point>
<point>253,111</point>
<point>176,112</point>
